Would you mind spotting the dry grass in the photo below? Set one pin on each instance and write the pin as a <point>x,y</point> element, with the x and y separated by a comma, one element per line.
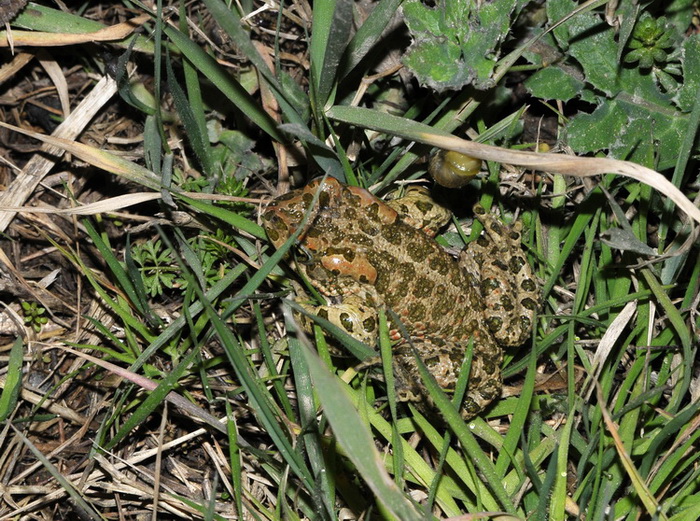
<point>66,405</point>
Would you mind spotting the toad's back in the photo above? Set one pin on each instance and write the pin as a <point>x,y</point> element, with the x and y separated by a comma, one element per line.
<point>360,250</point>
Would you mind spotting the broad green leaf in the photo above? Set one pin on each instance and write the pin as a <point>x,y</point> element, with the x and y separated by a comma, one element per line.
<point>553,83</point>
<point>634,108</point>
<point>439,65</point>
<point>591,41</point>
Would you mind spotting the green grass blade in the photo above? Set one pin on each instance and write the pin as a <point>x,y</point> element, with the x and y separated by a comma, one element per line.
<point>557,502</point>
<point>119,306</point>
<point>270,361</point>
<point>133,275</point>
<point>193,311</point>
<point>307,413</point>
<point>195,130</point>
<point>356,440</point>
<point>232,24</point>
<point>154,399</point>
<point>13,380</point>
<point>648,499</point>
<point>545,491</point>
<point>321,29</point>
<point>666,435</point>
<point>235,459</point>
<point>123,279</point>
<point>259,397</point>
<point>257,391</point>
<point>332,23</point>
<point>367,35</point>
<point>232,218</point>
<point>357,348</point>
<point>223,81</point>
<point>520,418</point>
<point>454,420</point>
<point>86,509</point>
<point>680,328</point>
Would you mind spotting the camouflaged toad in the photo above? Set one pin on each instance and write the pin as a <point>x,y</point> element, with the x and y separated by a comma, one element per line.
<point>363,253</point>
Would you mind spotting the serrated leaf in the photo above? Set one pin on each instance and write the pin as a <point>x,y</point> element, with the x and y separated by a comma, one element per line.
<point>643,87</point>
<point>591,132</point>
<point>429,62</point>
<point>420,19</point>
<point>456,43</point>
<point>628,129</point>
<point>635,116</point>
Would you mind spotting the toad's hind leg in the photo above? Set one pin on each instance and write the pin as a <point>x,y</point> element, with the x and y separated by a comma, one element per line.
<point>445,364</point>
<point>508,287</point>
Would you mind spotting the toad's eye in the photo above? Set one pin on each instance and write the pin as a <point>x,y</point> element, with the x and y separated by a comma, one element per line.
<point>452,169</point>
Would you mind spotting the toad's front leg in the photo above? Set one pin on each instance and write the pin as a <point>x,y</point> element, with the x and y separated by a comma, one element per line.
<point>353,315</point>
